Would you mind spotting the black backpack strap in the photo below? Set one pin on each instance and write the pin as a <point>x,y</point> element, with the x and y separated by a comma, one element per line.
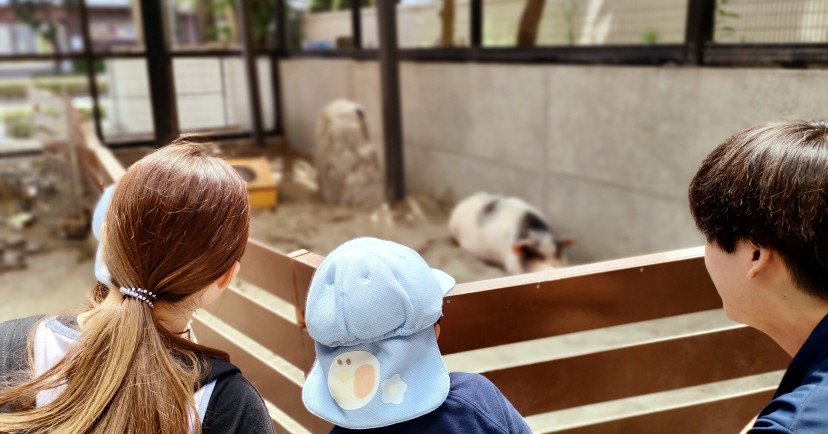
<point>14,340</point>
<point>215,369</point>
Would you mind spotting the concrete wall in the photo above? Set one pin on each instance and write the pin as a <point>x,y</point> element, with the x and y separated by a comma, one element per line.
<point>606,152</point>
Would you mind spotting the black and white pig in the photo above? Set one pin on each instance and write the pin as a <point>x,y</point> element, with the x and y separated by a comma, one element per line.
<point>508,232</point>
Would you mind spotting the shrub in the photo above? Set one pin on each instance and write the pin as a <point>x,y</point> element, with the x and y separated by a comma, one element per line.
<point>72,85</point>
<point>19,123</point>
<point>87,112</point>
<point>13,90</point>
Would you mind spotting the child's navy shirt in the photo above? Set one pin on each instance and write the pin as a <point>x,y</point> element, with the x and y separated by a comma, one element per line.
<point>799,405</point>
<point>474,406</point>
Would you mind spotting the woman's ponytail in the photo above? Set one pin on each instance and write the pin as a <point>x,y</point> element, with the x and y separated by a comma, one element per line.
<point>177,222</point>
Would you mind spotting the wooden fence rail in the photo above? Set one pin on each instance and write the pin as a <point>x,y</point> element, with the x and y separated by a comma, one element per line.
<point>638,345</point>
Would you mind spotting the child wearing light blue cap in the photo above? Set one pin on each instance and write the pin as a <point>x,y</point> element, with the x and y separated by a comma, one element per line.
<point>98,217</point>
<point>372,310</point>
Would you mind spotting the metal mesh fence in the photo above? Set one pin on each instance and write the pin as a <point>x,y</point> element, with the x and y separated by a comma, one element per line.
<point>771,21</point>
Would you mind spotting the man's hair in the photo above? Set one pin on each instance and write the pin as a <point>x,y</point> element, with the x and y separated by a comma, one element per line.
<point>768,185</point>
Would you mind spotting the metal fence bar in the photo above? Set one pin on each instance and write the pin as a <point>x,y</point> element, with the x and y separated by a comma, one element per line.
<point>159,73</point>
<point>250,69</point>
<point>476,22</point>
<point>280,15</point>
<point>392,116</point>
<point>699,29</point>
<point>356,24</point>
<point>90,67</point>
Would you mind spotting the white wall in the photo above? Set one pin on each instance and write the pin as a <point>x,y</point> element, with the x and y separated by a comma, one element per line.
<point>606,152</point>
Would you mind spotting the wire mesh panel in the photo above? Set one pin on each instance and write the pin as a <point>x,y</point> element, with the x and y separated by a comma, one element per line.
<point>771,21</point>
<point>125,101</point>
<point>433,24</point>
<point>213,96</point>
<point>583,22</point>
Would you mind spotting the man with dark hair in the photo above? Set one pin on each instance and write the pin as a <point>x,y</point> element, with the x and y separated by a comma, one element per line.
<point>761,199</point>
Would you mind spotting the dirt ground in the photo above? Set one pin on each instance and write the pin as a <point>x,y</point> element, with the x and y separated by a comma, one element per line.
<point>40,271</point>
<point>58,278</point>
<point>302,221</point>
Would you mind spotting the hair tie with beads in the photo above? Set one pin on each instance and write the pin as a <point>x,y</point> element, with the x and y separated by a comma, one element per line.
<point>139,293</point>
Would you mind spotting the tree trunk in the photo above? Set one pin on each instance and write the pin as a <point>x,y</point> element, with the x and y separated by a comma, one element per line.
<point>55,43</point>
<point>51,34</point>
<point>447,21</point>
<point>233,22</point>
<point>137,20</point>
<point>529,22</point>
<point>205,21</point>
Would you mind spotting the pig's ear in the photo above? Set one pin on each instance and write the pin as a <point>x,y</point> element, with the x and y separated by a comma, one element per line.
<point>526,250</point>
<point>519,246</point>
<point>565,242</point>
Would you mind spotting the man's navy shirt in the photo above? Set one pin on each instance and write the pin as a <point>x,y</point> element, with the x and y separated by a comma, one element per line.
<point>800,404</point>
<point>474,406</point>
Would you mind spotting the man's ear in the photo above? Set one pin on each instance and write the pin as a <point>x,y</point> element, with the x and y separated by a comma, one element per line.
<point>228,276</point>
<point>761,260</point>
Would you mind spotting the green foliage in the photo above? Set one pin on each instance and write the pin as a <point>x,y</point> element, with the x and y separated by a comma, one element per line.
<point>14,90</point>
<point>261,13</point>
<point>59,85</point>
<point>72,85</point>
<point>723,16</point>
<point>651,36</point>
<point>335,5</point>
<point>19,123</point>
<point>87,112</point>
<point>38,14</point>
<point>79,66</point>
<point>569,20</point>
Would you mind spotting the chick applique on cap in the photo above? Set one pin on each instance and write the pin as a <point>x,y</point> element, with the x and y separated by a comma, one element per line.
<point>371,311</point>
<point>354,379</point>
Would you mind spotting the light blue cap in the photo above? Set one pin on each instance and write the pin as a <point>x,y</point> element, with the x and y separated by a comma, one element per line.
<point>371,309</point>
<point>98,217</point>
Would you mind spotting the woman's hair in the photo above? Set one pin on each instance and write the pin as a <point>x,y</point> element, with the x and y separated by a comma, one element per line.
<point>178,221</point>
<point>768,185</point>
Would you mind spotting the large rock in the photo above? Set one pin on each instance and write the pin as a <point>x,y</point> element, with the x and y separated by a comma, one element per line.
<point>349,171</point>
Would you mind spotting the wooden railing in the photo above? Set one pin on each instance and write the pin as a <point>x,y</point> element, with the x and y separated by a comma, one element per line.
<point>635,345</point>
<point>638,345</point>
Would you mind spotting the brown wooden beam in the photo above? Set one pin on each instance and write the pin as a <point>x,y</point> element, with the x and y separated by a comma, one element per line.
<point>268,269</point>
<point>519,308</point>
<point>279,335</point>
<point>640,369</point>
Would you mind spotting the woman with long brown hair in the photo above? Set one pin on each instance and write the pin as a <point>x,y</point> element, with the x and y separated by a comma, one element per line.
<point>173,235</point>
